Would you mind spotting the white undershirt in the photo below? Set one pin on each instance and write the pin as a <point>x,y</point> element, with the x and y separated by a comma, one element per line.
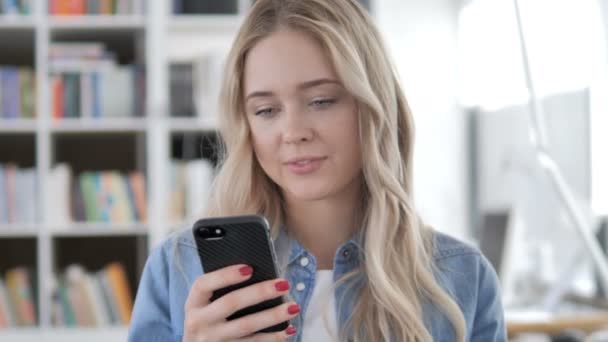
<point>315,328</point>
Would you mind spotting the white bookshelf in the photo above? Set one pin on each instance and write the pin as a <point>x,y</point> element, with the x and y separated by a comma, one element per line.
<point>17,22</point>
<point>159,37</point>
<point>103,334</point>
<point>99,125</point>
<point>97,22</point>
<point>192,124</point>
<point>211,23</point>
<point>18,126</point>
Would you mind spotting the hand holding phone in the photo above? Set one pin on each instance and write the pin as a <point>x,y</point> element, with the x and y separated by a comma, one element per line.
<point>239,294</point>
<point>207,321</point>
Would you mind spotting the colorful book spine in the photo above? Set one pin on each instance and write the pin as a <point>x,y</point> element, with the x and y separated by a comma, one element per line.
<point>21,293</point>
<point>93,299</point>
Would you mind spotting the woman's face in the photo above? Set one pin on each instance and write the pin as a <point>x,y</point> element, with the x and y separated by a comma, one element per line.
<point>303,121</point>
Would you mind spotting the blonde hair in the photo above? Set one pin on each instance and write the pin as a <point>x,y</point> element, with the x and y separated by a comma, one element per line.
<point>398,275</point>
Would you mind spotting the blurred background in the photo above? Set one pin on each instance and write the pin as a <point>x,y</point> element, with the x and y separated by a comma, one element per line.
<point>108,127</point>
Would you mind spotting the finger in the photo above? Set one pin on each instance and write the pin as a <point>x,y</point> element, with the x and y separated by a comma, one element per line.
<point>250,324</point>
<point>271,337</point>
<point>239,299</point>
<point>203,287</point>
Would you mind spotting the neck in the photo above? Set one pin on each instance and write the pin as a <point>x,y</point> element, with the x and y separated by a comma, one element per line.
<point>321,226</point>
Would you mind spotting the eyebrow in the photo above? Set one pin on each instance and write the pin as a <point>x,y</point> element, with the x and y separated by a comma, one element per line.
<point>301,86</point>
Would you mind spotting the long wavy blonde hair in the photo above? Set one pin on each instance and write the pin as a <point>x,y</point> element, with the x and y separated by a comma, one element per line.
<point>398,263</point>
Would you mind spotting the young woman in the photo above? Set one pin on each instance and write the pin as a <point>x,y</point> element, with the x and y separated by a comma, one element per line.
<point>319,139</point>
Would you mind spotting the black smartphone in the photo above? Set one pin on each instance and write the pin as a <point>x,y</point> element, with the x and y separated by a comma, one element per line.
<point>227,241</point>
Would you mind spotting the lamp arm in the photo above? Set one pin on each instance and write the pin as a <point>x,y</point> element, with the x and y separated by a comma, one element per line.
<point>539,140</point>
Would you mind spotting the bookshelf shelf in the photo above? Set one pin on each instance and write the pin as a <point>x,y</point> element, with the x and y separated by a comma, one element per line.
<point>97,22</point>
<point>16,230</point>
<point>101,334</point>
<point>20,22</point>
<point>18,125</point>
<point>204,22</point>
<point>99,125</point>
<point>206,124</point>
<point>87,229</point>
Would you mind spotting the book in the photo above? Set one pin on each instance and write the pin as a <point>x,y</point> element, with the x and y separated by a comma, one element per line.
<point>67,312</point>
<point>79,296</point>
<point>59,194</point>
<point>188,202</point>
<point>137,184</point>
<point>120,287</point>
<point>3,196</point>
<point>28,92</point>
<point>7,315</point>
<point>199,175</point>
<point>19,285</point>
<point>118,94</point>
<point>26,195</point>
<point>10,7</point>
<point>11,97</point>
<point>181,90</point>
<point>89,194</point>
<point>101,309</point>
<point>10,189</point>
<point>122,206</point>
<point>109,297</point>
<point>71,95</point>
<point>86,94</point>
<point>57,95</point>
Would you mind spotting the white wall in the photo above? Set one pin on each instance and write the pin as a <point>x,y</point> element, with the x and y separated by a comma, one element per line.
<point>599,125</point>
<point>421,36</point>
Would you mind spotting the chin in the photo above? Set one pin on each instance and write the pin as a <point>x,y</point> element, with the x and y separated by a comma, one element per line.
<point>308,192</point>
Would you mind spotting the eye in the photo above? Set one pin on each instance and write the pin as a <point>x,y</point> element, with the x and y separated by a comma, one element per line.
<point>323,103</point>
<point>265,111</point>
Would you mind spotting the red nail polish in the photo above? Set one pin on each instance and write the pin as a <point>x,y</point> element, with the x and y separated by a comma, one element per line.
<point>282,285</point>
<point>246,270</point>
<point>293,309</point>
<point>290,330</point>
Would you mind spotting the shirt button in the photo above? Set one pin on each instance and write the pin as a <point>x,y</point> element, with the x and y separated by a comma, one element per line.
<point>346,253</point>
<point>304,261</point>
<point>300,287</point>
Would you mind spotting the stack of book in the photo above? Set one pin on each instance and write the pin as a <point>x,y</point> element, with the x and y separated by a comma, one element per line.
<point>181,90</point>
<point>18,194</point>
<point>92,7</point>
<point>17,298</point>
<point>87,82</point>
<point>190,187</point>
<point>92,299</point>
<point>97,196</point>
<point>16,7</point>
<point>17,92</point>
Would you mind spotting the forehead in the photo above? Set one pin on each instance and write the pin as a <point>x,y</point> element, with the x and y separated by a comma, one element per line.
<point>284,59</point>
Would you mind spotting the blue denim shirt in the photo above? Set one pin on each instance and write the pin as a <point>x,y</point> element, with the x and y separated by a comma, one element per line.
<point>171,269</point>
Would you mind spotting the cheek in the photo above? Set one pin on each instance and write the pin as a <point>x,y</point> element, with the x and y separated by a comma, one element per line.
<point>264,148</point>
<point>348,138</point>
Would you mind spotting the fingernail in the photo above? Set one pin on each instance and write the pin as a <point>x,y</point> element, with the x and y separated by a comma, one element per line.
<point>290,330</point>
<point>282,285</point>
<point>246,270</point>
<point>293,309</point>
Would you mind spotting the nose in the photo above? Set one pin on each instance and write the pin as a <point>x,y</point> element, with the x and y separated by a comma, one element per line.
<point>296,128</point>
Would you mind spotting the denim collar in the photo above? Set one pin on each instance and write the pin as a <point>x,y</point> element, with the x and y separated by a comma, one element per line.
<point>290,250</point>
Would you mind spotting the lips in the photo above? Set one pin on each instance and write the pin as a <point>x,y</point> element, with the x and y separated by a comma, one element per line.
<point>304,160</point>
<point>305,165</point>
